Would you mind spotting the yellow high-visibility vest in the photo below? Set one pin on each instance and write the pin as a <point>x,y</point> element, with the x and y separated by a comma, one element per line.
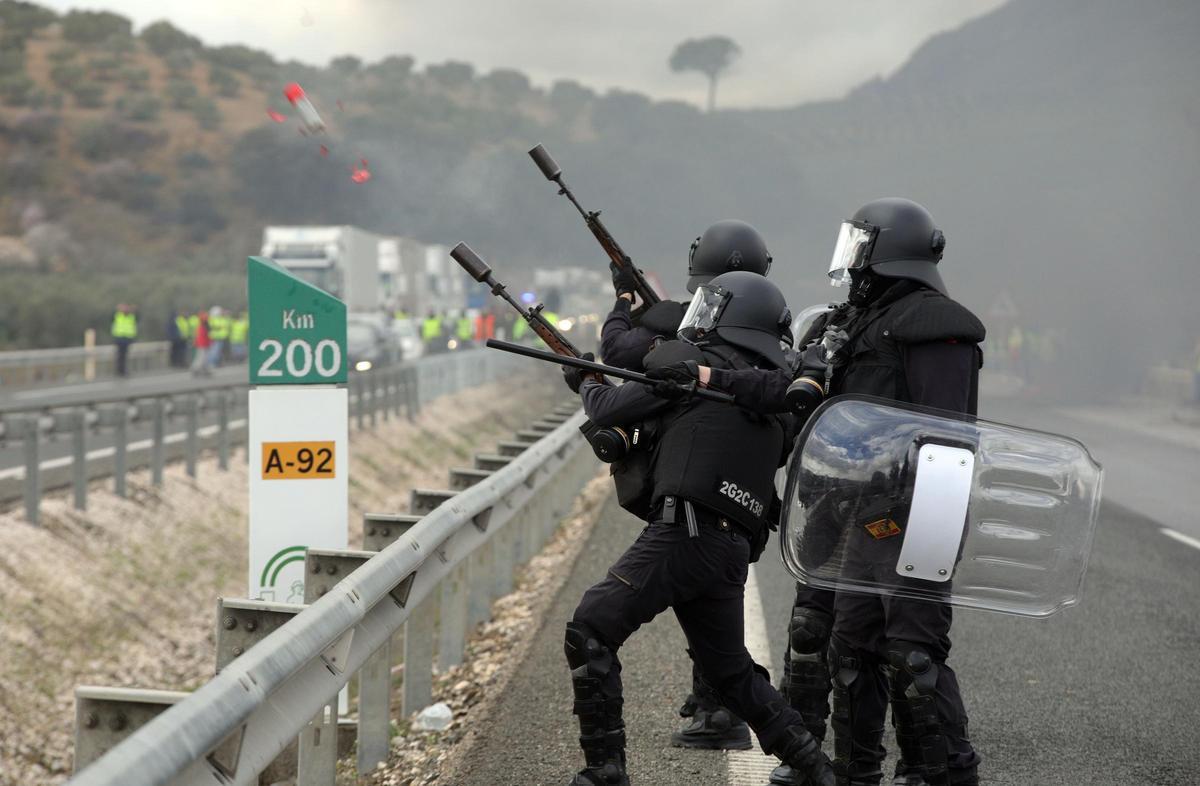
<point>124,325</point>
<point>183,326</point>
<point>431,328</point>
<point>239,330</point>
<point>218,328</point>
<point>193,323</point>
<point>466,330</point>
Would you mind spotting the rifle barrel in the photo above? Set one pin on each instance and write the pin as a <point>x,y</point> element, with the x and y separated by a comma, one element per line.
<point>598,368</point>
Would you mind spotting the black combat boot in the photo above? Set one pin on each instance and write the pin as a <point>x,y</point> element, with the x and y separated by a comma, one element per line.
<point>711,726</point>
<point>801,752</point>
<point>598,705</point>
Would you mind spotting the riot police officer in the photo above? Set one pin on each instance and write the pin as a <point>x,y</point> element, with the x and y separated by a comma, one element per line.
<point>725,246</point>
<point>711,497</point>
<point>898,336</point>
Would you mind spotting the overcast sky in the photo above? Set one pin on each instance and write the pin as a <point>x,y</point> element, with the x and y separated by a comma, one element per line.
<point>793,50</point>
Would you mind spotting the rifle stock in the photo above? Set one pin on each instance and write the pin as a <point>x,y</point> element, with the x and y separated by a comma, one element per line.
<point>616,254</point>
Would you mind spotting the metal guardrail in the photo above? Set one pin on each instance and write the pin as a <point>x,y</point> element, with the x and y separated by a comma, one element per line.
<point>181,425</point>
<point>445,568</point>
<point>29,367</point>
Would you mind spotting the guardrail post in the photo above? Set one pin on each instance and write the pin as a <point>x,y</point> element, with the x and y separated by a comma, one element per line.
<point>480,573</point>
<point>158,412</point>
<point>191,411</point>
<point>374,708</point>
<point>106,716</point>
<point>453,618</point>
<point>222,430</point>
<point>356,386</point>
<point>79,457</point>
<point>118,418</point>
<point>417,692</point>
<point>31,428</point>
<point>370,383</point>
<point>383,387</point>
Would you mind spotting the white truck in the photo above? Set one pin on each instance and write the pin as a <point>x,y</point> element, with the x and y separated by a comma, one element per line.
<point>345,261</point>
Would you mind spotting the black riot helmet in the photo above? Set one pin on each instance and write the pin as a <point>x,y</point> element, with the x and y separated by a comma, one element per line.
<point>743,309</point>
<point>724,247</point>
<point>892,238</point>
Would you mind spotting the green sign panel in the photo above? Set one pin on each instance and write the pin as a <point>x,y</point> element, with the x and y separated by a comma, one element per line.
<point>297,330</point>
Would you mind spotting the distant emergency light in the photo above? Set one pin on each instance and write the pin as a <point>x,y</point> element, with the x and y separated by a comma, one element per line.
<point>528,297</point>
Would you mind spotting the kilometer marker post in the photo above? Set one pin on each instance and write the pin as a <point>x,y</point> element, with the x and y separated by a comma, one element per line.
<point>298,433</point>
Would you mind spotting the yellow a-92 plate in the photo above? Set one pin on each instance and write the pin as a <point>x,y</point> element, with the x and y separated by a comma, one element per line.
<point>298,461</point>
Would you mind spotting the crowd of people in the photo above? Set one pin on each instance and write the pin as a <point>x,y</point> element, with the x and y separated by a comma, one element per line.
<point>201,341</point>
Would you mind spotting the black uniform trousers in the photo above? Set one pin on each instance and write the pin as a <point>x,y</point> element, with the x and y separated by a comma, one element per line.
<point>866,625</point>
<point>703,580</point>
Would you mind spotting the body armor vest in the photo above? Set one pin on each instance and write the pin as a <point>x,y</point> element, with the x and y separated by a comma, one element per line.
<point>718,455</point>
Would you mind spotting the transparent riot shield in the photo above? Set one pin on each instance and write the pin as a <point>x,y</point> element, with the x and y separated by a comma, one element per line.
<point>904,501</point>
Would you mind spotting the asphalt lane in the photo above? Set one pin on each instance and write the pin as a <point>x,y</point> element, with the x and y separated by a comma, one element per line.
<point>1104,693</point>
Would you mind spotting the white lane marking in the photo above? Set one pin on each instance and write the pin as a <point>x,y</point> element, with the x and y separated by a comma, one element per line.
<point>752,768</point>
<point>1179,536</point>
<point>141,444</point>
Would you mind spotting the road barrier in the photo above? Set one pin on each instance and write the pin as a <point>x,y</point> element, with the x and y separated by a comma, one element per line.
<point>180,426</point>
<point>280,667</point>
<point>32,367</point>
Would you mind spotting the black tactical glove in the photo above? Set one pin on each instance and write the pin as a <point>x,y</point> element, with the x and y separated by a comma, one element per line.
<point>574,376</point>
<point>623,279</point>
<point>672,390</point>
<point>682,372</point>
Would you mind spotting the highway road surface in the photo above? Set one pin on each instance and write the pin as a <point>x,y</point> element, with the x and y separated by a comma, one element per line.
<point>1106,693</point>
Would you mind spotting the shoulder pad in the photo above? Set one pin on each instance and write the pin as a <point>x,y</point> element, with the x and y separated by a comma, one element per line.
<point>935,317</point>
<point>663,317</point>
<point>672,352</point>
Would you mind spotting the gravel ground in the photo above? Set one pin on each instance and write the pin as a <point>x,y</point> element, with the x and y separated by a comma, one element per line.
<point>122,595</point>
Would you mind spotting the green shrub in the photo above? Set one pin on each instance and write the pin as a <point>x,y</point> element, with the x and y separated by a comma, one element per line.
<point>135,78</point>
<point>88,95</point>
<point>224,82</point>
<point>181,93</point>
<point>12,62</point>
<point>37,128</point>
<point>16,90</point>
<point>198,211</point>
<point>179,62</point>
<point>105,68</point>
<point>194,161</point>
<point>67,75</point>
<point>23,169</point>
<point>239,58</point>
<point>121,181</point>
<point>206,112</point>
<point>93,27</point>
<point>162,37</point>
<point>108,137</point>
<point>24,17</point>
<point>141,107</point>
<point>64,54</point>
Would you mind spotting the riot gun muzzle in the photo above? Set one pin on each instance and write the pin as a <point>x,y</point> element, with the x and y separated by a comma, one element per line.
<point>548,165</point>
<point>476,268</point>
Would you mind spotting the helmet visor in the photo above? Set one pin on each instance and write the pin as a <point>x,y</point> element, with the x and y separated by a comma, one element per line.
<point>703,312</point>
<point>852,251</point>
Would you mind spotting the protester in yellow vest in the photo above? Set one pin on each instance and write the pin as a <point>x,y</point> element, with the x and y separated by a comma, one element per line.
<point>465,329</point>
<point>124,333</point>
<point>218,333</point>
<point>239,332</point>
<point>431,328</point>
<point>177,336</point>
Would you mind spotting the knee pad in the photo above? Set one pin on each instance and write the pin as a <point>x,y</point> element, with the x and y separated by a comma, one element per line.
<point>847,663</point>
<point>911,665</point>
<point>584,647</point>
<point>809,631</point>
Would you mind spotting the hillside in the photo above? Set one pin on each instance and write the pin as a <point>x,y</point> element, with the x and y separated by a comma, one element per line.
<point>1055,140</point>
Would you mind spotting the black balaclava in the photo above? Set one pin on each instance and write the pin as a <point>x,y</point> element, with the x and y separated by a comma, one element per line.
<point>866,287</point>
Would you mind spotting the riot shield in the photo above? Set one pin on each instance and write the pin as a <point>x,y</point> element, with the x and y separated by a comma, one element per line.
<point>905,501</point>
